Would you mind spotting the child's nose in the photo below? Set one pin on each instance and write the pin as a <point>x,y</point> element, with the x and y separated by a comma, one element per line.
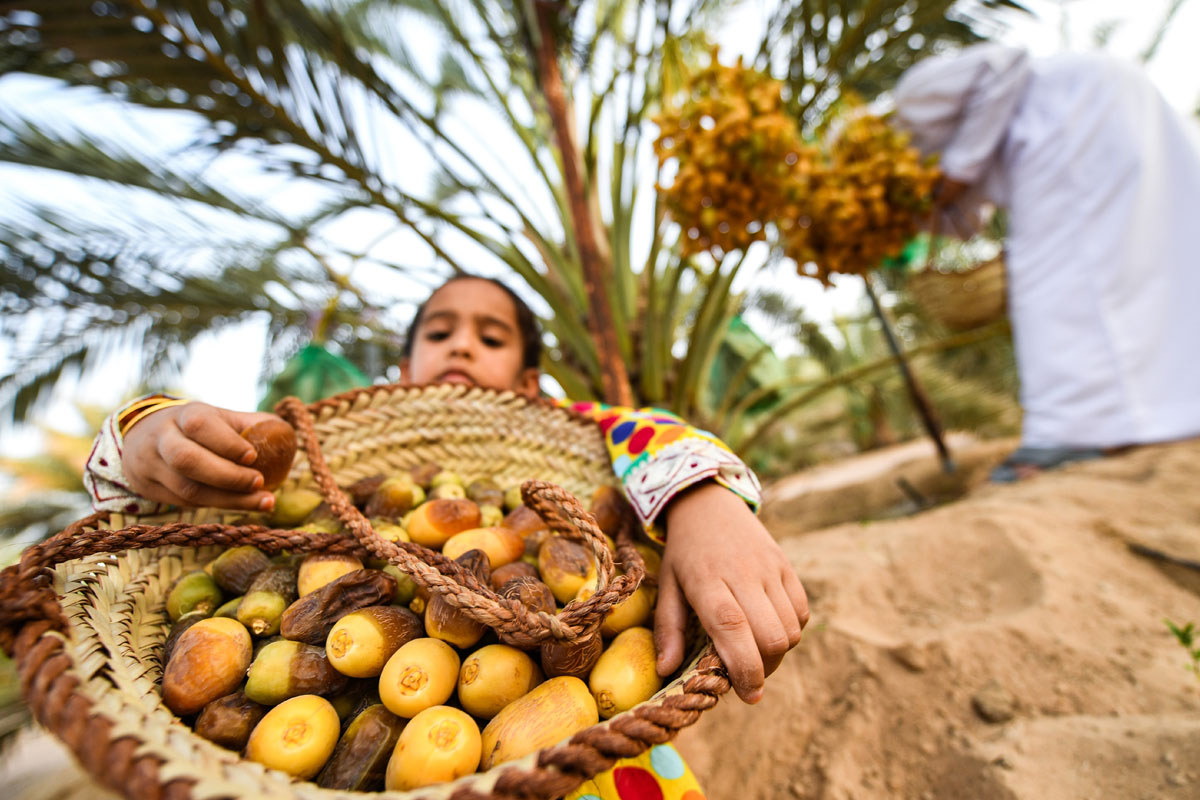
<point>462,342</point>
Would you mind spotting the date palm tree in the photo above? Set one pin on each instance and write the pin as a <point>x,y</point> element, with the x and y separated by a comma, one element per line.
<point>425,138</point>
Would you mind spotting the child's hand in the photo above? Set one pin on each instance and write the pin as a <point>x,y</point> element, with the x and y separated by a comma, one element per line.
<point>194,455</point>
<point>721,561</point>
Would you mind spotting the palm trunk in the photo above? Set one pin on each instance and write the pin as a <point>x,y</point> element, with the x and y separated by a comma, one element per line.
<point>915,391</point>
<point>613,375</point>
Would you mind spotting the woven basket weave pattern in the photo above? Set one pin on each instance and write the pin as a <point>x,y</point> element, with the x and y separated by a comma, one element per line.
<point>475,433</point>
<point>963,300</point>
<point>98,688</point>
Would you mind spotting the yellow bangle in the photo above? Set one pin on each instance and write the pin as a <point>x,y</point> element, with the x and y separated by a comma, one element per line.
<point>145,402</point>
<point>158,406</point>
<point>130,411</point>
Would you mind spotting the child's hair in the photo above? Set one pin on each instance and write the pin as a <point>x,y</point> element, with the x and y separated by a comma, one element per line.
<point>527,324</point>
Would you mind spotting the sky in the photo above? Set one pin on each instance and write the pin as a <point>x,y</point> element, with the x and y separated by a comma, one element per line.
<point>224,369</point>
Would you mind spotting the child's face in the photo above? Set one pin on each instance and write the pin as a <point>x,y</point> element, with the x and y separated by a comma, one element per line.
<point>469,334</point>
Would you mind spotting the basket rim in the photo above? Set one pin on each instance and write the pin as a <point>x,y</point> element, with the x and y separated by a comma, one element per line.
<point>543,401</point>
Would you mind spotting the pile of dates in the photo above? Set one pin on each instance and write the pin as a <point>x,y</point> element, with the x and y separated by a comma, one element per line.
<point>350,675</point>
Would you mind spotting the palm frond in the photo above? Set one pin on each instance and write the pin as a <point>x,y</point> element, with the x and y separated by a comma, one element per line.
<point>864,45</point>
<point>454,77</point>
<point>70,288</point>
<point>75,152</point>
<point>377,26</point>
<point>420,116</point>
<point>276,72</point>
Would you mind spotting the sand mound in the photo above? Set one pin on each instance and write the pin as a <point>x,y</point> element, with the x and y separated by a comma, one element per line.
<point>1008,645</point>
<point>884,483</point>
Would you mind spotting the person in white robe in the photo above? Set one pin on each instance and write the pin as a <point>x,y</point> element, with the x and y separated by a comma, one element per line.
<point>1100,178</point>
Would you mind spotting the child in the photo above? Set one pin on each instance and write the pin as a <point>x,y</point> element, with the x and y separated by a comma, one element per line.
<point>686,486</point>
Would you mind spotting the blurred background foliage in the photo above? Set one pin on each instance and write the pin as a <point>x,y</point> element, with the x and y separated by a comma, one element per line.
<point>372,111</point>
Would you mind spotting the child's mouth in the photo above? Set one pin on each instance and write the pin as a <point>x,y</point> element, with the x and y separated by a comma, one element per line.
<point>456,376</point>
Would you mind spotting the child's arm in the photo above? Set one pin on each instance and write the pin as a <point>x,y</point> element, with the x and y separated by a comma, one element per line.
<point>190,454</point>
<point>719,559</point>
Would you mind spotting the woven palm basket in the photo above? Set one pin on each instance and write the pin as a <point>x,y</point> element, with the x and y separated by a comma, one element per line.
<point>83,614</point>
<point>965,299</point>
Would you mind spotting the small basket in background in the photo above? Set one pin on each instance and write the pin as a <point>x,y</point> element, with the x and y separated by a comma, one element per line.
<point>962,299</point>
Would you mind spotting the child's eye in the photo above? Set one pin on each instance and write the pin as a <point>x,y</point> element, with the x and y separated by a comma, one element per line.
<point>436,336</point>
<point>492,341</point>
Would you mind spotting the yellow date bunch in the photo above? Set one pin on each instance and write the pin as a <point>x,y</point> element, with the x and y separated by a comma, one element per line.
<point>865,196</point>
<point>736,151</point>
<point>839,205</point>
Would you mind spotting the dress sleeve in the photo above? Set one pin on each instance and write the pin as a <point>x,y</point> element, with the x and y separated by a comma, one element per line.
<point>961,105</point>
<point>657,455</point>
<point>104,472</point>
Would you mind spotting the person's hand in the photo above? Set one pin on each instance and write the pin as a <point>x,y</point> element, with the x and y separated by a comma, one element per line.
<point>720,560</point>
<point>194,455</point>
<point>947,192</point>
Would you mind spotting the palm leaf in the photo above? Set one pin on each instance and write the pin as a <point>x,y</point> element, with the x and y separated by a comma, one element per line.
<point>77,153</point>
<point>341,97</point>
<point>88,287</point>
<point>864,45</point>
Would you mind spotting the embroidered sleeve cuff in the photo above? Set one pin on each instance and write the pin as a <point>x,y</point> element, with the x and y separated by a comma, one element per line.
<point>104,474</point>
<point>651,484</point>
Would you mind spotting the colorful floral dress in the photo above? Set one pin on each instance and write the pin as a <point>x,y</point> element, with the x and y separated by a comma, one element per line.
<point>658,774</point>
<point>657,455</point>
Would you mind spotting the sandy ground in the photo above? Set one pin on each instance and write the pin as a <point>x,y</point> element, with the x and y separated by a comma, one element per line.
<point>1006,645</point>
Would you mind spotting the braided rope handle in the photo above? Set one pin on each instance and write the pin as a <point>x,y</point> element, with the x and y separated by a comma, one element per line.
<point>560,770</point>
<point>26,592</point>
<point>513,622</point>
